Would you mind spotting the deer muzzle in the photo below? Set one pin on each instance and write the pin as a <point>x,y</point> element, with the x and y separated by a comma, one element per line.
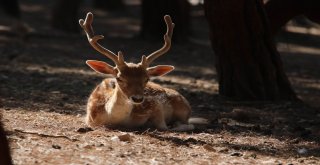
<point>137,99</point>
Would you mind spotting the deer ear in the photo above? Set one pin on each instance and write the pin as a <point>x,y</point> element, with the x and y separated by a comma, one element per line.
<point>159,70</point>
<point>101,67</point>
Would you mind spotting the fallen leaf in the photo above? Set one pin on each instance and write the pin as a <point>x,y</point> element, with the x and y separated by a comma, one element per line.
<point>125,137</point>
<point>209,147</point>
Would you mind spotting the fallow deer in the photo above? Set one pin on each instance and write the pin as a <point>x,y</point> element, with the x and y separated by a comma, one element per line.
<point>130,99</point>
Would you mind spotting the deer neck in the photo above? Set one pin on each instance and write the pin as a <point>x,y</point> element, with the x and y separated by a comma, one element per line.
<point>118,107</point>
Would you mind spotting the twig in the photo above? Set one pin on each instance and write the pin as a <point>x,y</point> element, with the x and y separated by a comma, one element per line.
<point>145,132</point>
<point>46,135</point>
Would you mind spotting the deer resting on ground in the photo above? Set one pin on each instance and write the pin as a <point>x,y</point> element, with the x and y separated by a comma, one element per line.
<point>130,99</point>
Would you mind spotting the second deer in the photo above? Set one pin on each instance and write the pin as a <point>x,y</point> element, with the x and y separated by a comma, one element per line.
<point>130,99</point>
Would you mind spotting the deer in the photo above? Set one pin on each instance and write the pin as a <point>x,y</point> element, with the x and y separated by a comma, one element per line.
<point>129,99</point>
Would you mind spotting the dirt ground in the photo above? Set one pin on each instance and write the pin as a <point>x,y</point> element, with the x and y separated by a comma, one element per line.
<point>44,85</point>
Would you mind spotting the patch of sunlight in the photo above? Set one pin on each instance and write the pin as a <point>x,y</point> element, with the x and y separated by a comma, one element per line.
<point>307,82</point>
<point>58,70</point>
<point>209,85</point>
<point>31,8</point>
<point>196,69</point>
<point>294,48</point>
<point>303,30</point>
<point>196,2</point>
<point>4,28</point>
<point>138,2</point>
<point>183,80</point>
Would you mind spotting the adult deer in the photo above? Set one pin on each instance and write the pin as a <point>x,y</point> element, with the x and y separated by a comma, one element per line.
<point>130,100</point>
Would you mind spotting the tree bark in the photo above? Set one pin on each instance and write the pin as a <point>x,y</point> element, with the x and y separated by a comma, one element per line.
<point>153,26</point>
<point>247,62</point>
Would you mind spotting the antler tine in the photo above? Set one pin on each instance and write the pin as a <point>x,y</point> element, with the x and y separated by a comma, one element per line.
<point>120,59</point>
<point>167,42</point>
<point>93,39</point>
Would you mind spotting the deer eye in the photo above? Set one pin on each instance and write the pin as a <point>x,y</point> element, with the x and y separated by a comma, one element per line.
<point>119,79</point>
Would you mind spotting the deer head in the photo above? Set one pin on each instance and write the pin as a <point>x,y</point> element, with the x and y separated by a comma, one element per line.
<point>131,78</point>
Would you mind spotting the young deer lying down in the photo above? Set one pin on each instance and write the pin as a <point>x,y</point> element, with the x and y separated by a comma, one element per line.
<point>130,100</point>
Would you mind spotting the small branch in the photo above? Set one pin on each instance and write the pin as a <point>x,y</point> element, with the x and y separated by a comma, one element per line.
<point>46,135</point>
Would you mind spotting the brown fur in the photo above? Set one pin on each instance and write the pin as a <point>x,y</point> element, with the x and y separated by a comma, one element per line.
<point>131,100</point>
<point>151,110</point>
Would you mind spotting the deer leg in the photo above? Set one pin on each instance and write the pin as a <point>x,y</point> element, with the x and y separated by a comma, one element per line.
<point>96,113</point>
<point>161,125</point>
<point>158,120</point>
<point>181,109</point>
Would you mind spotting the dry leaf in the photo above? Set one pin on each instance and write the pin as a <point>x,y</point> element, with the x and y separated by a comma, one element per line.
<point>209,147</point>
<point>125,137</point>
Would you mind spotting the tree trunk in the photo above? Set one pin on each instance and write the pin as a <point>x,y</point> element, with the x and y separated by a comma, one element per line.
<point>65,15</point>
<point>247,62</point>
<point>153,26</point>
<point>281,11</point>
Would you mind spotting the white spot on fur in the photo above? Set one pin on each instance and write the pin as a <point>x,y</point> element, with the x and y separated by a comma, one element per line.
<point>118,109</point>
<point>198,120</point>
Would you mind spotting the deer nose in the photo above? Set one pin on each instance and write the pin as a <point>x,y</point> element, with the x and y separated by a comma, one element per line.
<point>137,99</point>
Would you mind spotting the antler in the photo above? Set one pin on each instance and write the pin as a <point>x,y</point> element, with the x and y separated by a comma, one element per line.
<point>146,61</point>
<point>93,40</point>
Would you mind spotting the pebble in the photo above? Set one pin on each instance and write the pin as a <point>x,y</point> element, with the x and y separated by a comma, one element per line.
<point>208,147</point>
<point>84,130</point>
<point>302,150</point>
<point>55,146</point>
